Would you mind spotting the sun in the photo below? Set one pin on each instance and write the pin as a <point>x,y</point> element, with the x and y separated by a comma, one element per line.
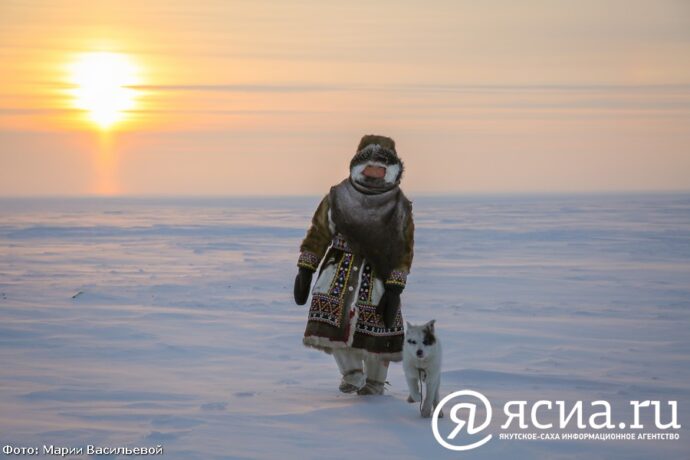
<point>103,86</point>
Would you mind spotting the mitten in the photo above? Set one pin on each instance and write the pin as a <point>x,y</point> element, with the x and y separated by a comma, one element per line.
<point>302,285</point>
<point>389,304</point>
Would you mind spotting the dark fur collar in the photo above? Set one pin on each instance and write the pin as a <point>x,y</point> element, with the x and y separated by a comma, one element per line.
<point>372,224</point>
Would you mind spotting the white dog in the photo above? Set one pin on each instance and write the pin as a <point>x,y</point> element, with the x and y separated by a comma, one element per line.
<point>422,365</point>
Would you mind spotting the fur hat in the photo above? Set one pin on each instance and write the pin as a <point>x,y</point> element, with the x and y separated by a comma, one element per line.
<point>378,149</point>
<point>383,141</point>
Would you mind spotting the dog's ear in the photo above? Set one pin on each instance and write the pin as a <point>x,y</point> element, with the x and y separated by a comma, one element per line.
<point>408,325</point>
<point>429,334</point>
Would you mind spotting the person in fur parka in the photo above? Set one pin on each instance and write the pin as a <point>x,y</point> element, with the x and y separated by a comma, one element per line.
<point>362,237</point>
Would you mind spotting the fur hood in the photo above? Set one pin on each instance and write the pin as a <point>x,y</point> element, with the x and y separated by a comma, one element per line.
<point>376,151</point>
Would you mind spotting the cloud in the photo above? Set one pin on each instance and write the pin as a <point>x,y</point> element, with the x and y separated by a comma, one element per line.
<point>232,88</point>
<point>431,87</point>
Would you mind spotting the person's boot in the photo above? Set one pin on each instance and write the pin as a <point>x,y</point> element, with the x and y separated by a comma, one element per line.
<point>348,384</point>
<point>371,388</point>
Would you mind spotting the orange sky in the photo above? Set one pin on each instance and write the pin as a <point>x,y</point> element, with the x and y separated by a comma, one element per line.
<point>258,97</point>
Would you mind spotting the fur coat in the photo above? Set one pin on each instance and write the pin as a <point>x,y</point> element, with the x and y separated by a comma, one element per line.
<point>348,288</point>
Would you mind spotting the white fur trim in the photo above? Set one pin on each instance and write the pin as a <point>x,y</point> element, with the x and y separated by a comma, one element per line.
<point>356,172</point>
<point>323,282</point>
<point>327,345</point>
<point>392,172</point>
<point>370,147</point>
<point>378,288</point>
<point>331,224</point>
<point>322,343</point>
<point>353,306</point>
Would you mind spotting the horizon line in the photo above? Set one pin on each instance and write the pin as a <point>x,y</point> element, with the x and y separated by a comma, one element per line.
<point>423,194</point>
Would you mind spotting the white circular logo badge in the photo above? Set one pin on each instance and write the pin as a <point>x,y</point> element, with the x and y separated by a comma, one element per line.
<point>468,424</point>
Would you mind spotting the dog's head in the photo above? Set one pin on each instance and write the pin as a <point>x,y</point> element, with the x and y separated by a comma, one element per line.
<point>420,341</point>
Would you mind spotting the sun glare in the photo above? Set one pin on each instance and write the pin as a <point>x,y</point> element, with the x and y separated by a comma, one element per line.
<point>103,86</point>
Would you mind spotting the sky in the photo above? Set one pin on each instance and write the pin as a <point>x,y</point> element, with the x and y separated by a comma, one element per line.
<point>272,97</point>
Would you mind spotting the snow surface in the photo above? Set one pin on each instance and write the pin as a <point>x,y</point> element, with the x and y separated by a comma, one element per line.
<point>136,322</point>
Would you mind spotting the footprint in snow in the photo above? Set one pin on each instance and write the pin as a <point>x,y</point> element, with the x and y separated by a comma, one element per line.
<point>214,406</point>
<point>245,394</point>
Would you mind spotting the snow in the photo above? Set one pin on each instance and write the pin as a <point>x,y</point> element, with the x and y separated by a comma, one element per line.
<point>145,321</point>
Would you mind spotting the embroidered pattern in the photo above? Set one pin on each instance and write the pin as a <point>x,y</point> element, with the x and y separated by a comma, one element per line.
<point>325,308</point>
<point>371,323</point>
<point>328,307</point>
<point>398,277</point>
<point>339,242</point>
<point>365,289</point>
<point>342,275</point>
<point>308,260</point>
